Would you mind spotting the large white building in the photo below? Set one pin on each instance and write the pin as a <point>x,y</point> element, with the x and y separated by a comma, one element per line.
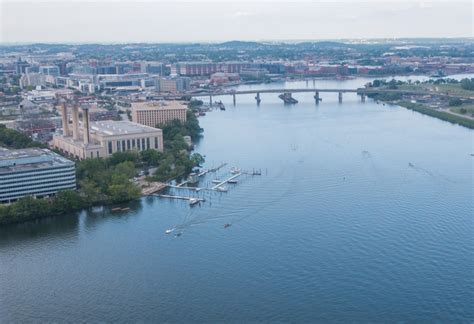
<point>103,138</point>
<point>152,113</point>
<point>34,172</point>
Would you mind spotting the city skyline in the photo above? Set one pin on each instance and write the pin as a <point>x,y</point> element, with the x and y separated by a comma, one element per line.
<point>190,21</point>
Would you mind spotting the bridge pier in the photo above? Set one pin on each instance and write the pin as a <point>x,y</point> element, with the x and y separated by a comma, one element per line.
<point>316,97</point>
<point>362,97</point>
<point>210,101</point>
<point>257,97</point>
<point>234,98</point>
<point>340,97</point>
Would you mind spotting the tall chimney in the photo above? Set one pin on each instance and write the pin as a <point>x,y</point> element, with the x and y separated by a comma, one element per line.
<point>85,124</point>
<point>75,122</point>
<point>65,120</point>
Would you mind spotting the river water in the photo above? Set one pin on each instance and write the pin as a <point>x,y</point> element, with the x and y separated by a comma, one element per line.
<point>363,212</point>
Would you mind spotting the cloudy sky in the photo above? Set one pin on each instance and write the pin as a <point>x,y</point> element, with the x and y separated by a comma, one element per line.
<point>185,21</point>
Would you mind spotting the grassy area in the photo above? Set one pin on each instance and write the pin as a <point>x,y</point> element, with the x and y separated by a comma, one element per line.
<point>438,114</point>
<point>467,110</point>
<point>452,89</point>
<point>415,87</point>
<point>455,89</point>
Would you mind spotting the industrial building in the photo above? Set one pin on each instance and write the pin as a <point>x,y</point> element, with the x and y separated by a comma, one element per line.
<point>152,113</point>
<point>103,138</point>
<point>34,172</point>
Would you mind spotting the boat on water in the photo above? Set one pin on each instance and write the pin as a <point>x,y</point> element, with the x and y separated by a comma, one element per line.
<point>411,164</point>
<point>220,105</point>
<point>193,201</point>
<point>222,189</point>
<point>216,181</point>
<point>227,225</point>
<point>235,170</point>
<point>125,209</point>
<point>169,231</point>
<point>233,181</point>
<point>116,209</point>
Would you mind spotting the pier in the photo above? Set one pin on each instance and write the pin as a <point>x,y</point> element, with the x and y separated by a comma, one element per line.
<point>190,199</point>
<point>153,187</point>
<point>226,180</point>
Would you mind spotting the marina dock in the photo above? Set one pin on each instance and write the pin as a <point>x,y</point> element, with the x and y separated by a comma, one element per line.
<point>192,200</point>
<point>153,187</point>
<point>225,181</point>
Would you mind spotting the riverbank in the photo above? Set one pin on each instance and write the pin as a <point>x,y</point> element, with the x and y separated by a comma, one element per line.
<point>446,116</point>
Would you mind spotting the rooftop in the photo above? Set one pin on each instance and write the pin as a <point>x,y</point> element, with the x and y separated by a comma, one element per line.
<point>110,128</point>
<point>29,159</point>
<point>162,104</point>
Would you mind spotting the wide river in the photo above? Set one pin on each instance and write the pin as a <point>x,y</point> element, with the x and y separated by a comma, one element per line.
<point>363,212</point>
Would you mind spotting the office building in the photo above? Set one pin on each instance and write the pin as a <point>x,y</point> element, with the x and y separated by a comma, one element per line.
<point>32,80</point>
<point>152,113</point>
<point>34,172</point>
<point>174,84</point>
<point>103,138</point>
<point>207,68</point>
<point>52,70</point>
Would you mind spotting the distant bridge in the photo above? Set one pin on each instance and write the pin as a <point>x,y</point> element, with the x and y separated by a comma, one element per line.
<point>363,92</point>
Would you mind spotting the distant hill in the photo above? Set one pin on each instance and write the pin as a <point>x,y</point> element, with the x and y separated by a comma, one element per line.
<point>239,44</point>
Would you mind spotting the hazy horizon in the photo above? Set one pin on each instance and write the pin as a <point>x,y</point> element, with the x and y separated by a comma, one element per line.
<point>112,22</point>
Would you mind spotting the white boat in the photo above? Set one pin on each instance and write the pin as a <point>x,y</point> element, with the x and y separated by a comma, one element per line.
<point>234,170</point>
<point>233,181</point>
<point>216,181</point>
<point>222,189</point>
<point>169,231</point>
<point>193,201</point>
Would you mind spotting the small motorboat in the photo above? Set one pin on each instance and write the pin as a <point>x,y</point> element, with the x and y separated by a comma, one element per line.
<point>193,201</point>
<point>234,170</point>
<point>411,165</point>
<point>169,231</point>
<point>178,234</point>
<point>233,181</point>
<point>222,189</point>
<point>227,225</point>
<point>216,181</point>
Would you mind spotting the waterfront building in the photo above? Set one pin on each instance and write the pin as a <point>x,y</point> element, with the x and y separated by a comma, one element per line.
<point>34,172</point>
<point>103,138</point>
<point>207,68</point>
<point>174,84</point>
<point>152,113</point>
<point>254,73</point>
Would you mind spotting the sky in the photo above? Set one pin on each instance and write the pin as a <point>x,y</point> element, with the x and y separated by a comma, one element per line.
<point>107,21</point>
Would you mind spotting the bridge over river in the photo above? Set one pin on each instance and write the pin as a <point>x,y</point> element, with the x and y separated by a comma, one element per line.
<point>287,93</point>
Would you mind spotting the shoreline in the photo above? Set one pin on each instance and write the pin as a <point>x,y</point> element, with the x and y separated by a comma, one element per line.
<point>442,115</point>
